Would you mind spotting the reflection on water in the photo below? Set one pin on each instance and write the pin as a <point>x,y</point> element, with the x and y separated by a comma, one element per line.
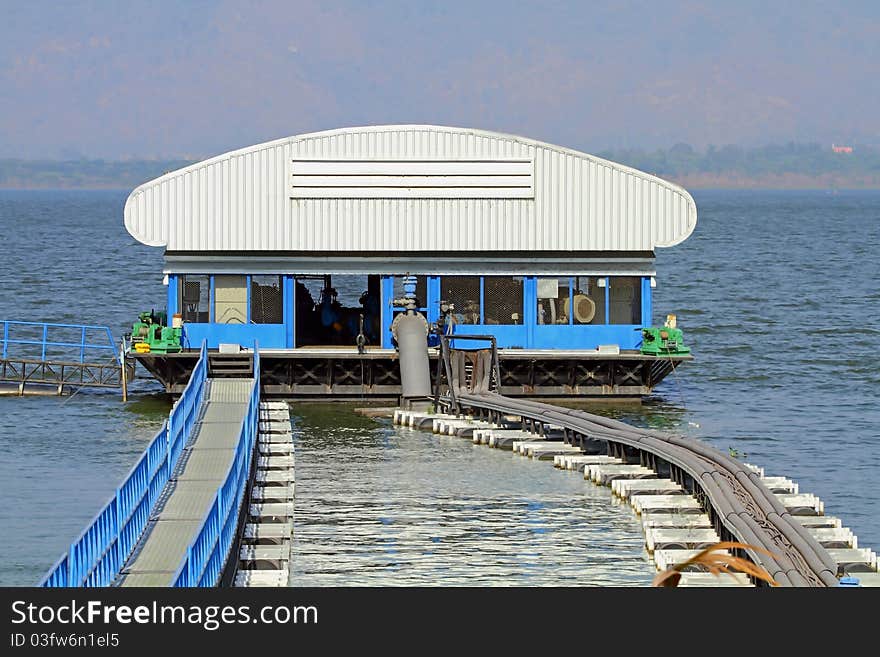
<point>383,505</point>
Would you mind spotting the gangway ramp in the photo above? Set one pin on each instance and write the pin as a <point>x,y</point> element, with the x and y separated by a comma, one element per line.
<point>179,513</point>
<point>191,491</point>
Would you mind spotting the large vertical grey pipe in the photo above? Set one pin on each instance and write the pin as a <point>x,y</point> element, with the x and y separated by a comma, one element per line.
<point>412,341</point>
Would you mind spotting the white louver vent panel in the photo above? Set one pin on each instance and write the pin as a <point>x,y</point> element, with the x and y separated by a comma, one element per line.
<point>412,179</point>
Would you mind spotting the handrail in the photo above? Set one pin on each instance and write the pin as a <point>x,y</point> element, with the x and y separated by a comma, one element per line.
<point>206,555</point>
<point>183,416</point>
<point>444,367</point>
<point>101,550</point>
<point>44,343</point>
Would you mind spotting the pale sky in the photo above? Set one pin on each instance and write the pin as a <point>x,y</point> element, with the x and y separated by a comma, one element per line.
<point>197,78</point>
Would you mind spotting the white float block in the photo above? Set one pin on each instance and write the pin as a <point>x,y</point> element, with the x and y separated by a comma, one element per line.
<point>273,493</point>
<point>578,462</point>
<point>692,580</point>
<point>853,560</point>
<point>780,485</point>
<point>255,578</point>
<point>665,504</point>
<point>803,504</point>
<point>267,415</point>
<point>424,421</point>
<point>504,438</point>
<point>468,431</point>
<point>275,462</point>
<point>444,424</point>
<point>755,469</point>
<point>818,521</point>
<point>834,537</point>
<point>461,427</point>
<point>625,488</point>
<point>258,531</point>
<point>868,580</point>
<point>551,450</point>
<point>267,510</point>
<point>672,520</point>
<point>484,436</point>
<point>275,476</point>
<point>273,449</point>
<point>522,446</point>
<point>666,558</point>
<point>603,474</point>
<point>657,538</point>
<point>275,438</point>
<point>275,405</point>
<point>273,553</point>
<point>275,426</point>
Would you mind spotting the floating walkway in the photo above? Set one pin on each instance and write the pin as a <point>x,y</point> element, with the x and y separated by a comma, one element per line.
<point>264,557</point>
<point>179,514</point>
<point>677,516</point>
<point>191,492</point>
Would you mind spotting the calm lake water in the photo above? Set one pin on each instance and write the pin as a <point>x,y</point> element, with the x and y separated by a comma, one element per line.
<point>777,295</point>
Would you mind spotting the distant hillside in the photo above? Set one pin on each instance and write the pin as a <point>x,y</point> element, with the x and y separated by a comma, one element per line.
<point>771,167</point>
<point>82,174</point>
<point>791,165</point>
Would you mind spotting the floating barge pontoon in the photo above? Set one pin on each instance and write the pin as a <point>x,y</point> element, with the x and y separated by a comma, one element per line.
<point>301,245</point>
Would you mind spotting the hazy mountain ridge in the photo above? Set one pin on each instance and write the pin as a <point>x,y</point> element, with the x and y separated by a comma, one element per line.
<point>788,166</point>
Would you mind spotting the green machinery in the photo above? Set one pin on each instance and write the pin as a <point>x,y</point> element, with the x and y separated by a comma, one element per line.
<point>664,341</point>
<point>149,334</point>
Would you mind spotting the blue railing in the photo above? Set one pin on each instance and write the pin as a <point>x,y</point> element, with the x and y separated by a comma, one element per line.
<point>206,555</point>
<point>34,338</point>
<point>183,415</point>
<point>97,555</point>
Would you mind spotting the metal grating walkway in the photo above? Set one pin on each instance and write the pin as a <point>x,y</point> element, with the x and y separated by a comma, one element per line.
<point>190,492</point>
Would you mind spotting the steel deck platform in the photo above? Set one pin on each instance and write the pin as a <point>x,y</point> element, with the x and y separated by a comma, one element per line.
<point>343,373</point>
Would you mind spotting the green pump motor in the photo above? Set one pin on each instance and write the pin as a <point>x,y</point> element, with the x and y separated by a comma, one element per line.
<point>150,335</point>
<point>664,341</point>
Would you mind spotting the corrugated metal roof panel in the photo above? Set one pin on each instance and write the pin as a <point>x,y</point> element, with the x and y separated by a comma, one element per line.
<point>258,199</point>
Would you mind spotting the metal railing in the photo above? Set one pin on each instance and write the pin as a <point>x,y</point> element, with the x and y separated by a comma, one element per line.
<point>101,550</point>
<point>183,415</point>
<point>35,335</point>
<point>454,376</point>
<point>206,556</point>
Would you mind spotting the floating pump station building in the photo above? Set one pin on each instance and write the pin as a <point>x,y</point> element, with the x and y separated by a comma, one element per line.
<point>301,245</point>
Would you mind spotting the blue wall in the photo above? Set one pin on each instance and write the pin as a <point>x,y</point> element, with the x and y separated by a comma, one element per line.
<point>269,336</point>
<point>529,335</point>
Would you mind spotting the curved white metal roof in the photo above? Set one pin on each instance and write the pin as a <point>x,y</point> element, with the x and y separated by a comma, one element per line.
<point>408,188</point>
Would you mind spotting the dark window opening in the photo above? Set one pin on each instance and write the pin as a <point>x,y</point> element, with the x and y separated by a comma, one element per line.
<point>503,300</point>
<point>195,298</point>
<point>626,300</point>
<point>463,292</point>
<point>329,310</point>
<point>267,300</point>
